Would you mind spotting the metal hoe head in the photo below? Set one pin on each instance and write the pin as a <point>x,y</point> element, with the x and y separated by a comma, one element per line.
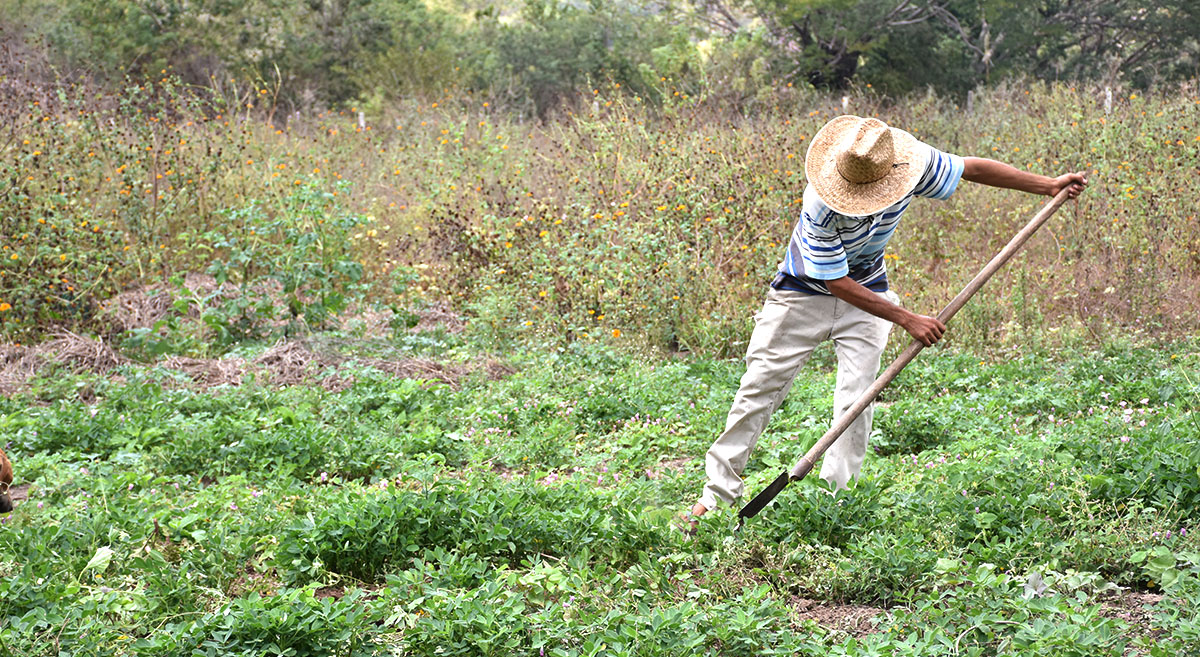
<point>762,499</point>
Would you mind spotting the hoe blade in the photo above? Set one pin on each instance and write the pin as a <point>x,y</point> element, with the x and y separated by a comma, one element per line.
<point>762,499</point>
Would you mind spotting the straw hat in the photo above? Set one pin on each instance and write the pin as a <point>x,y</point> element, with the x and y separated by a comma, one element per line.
<point>860,166</point>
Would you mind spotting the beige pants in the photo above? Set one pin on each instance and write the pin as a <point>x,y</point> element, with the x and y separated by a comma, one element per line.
<point>789,327</point>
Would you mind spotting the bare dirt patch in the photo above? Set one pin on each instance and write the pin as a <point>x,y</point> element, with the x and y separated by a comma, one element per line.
<point>674,466</point>
<point>19,493</point>
<point>856,620</point>
<point>439,315</point>
<point>335,592</point>
<point>250,580</point>
<point>1134,608</point>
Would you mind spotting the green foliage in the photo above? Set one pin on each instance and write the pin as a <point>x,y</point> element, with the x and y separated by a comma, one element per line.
<point>295,622</point>
<point>535,56</point>
<point>559,48</point>
<point>531,514</point>
<point>293,265</point>
<point>361,533</point>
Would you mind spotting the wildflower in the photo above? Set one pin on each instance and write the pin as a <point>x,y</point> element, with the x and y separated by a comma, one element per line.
<point>233,507</point>
<point>5,307</point>
<point>616,333</point>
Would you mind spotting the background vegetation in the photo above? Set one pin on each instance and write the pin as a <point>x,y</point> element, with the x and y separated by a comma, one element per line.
<point>532,55</point>
<point>658,224</point>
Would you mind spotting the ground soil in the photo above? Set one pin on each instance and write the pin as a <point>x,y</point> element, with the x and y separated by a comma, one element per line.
<point>673,465</point>
<point>19,493</point>
<point>856,620</point>
<point>1134,608</point>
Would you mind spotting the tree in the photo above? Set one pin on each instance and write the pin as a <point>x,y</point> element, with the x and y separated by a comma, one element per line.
<point>824,41</point>
<point>958,44</point>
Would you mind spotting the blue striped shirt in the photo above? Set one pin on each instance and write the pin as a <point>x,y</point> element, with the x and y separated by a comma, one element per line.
<point>826,245</point>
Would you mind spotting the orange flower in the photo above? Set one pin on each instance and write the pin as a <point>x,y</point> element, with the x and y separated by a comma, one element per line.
<point>4,307</point>
<point>616,333</point>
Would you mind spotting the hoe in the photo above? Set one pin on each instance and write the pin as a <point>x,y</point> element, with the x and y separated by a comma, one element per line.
<point>813,455</point>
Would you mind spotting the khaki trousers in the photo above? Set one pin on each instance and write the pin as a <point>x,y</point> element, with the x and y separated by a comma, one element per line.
<point>790,325</point>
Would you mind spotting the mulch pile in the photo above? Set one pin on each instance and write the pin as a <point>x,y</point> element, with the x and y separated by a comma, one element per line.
<point>288,363</point>
<point>19,364</point>
<point>143,306</point>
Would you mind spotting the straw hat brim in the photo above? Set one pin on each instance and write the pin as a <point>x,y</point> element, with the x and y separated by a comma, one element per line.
<point>862,199</point>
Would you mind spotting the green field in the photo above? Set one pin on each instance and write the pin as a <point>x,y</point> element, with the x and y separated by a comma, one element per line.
<point>1032,506</point>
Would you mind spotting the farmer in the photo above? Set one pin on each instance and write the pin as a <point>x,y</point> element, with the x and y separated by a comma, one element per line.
<point>832,285</point>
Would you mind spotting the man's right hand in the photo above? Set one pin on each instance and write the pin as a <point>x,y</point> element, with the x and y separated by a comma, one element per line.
<point>924,329</point>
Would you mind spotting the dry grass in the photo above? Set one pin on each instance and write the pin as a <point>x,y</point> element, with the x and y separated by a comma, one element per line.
<point>19,364</point>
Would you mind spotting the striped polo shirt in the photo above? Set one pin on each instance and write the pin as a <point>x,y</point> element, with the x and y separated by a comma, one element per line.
<point>826,245</point>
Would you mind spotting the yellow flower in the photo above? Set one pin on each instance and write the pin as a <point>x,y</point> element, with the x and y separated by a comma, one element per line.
<point>4,307</point>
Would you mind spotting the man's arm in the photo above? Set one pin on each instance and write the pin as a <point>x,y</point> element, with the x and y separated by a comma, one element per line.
<point>926,330</point>
<point>999,174</point>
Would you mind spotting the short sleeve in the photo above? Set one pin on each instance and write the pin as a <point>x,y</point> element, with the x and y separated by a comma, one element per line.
<point>821,247</point>
<point>942,174</point>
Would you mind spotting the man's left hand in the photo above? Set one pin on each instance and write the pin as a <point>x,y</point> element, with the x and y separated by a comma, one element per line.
<point>1076,181</point>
